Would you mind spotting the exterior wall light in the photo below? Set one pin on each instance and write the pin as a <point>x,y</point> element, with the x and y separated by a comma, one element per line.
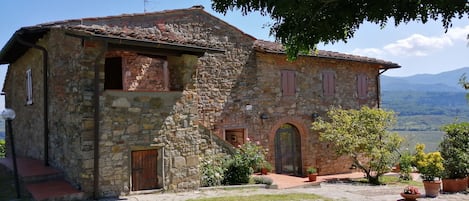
<point>9,115</point>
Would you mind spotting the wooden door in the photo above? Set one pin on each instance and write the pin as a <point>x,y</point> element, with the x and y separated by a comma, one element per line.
<point>144,170</point>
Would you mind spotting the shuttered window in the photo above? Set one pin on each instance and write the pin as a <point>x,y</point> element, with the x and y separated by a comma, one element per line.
<point>328,83</point>
<point>288,83</point>
<point>362,86</point>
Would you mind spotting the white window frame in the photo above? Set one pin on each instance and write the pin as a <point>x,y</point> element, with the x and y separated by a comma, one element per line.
<point>29,87</point>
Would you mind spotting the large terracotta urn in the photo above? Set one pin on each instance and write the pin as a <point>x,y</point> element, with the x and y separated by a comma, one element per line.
<point>454,185</point>
<point>432,188</point>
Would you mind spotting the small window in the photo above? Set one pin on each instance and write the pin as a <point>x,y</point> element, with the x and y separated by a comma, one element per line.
<point>362,86</point>
<point>235,136</point>
<point>113,73</point>
<point>29,87</point>
<point>328,82</point>
<point>288,83</point>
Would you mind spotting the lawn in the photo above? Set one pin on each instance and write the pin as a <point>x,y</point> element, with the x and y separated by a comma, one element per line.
<point>279,197</point>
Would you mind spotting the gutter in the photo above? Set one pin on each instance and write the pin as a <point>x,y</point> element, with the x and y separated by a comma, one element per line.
<point>45,57</point>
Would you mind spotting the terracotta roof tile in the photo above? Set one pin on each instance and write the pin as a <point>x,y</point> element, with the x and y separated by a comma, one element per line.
<point>268,46</point>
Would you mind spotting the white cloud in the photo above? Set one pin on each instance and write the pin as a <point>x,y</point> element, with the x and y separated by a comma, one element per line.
<point>418,45</point>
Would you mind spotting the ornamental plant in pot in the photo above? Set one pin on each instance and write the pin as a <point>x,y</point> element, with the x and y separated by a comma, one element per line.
<point>312,173</point>
<point>410,193</point>
<point>454,148</point>
<point>430,166</point>
<point>266,167</point>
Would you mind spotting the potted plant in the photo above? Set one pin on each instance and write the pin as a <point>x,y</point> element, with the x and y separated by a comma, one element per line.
<point>454,149</point>
<point>266,167</point>
<point>312,173</point>
<point>410,193</point>
<point>430,166</point>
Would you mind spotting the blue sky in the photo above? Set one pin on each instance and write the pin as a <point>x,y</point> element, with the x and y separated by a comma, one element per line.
<point>418,48</point>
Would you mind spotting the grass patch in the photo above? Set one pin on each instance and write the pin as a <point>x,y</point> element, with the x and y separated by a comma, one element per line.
<point>391,180</point>
<point>279,197</point>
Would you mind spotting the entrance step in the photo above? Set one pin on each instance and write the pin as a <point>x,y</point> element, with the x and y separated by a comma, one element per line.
<point>43,183</point>
<point>54,190</point>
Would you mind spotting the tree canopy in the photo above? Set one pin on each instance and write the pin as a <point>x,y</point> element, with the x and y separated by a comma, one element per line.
<point>362,135</point>
<point>301,24</point>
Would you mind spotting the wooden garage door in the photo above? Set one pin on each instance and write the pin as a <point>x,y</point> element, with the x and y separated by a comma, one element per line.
<point>144,172</point>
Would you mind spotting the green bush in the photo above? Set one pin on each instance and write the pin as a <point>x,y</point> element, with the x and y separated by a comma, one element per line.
<point>455,150</point>
<point>263,180</point>
<point>247,158</point>
<point>212,169</point>
<point>2,149</point>
<point>405,163</point>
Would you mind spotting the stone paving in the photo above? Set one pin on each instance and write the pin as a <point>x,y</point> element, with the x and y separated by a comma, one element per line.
<point>340,191</point>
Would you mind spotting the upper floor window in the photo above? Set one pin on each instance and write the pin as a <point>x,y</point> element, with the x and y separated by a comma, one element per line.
<point>328,83</point>
<point>113,73</point>
<point>288,83</point>
<point>362,86</point>
<point>29,87</point>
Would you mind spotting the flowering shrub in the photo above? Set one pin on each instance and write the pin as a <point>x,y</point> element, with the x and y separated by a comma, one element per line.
<point>429,165</point>
<point>212,168</point>
<point>246,159</point>
<point>411,190</point>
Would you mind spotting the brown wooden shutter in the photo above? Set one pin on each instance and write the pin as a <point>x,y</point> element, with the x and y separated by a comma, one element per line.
<point>288,83</point>
<point>328,83</point>
<point>362,86</point>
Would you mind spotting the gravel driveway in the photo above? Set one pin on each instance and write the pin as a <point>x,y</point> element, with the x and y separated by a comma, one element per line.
<point>338,191</point>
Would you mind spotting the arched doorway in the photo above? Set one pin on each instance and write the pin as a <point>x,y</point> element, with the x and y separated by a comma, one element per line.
<point>288,150</point>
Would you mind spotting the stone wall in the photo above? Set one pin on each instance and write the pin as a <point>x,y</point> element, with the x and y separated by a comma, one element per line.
<point>260,89</point>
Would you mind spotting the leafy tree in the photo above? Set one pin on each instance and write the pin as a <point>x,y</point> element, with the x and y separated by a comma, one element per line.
<point>301,24</point>
<point>362,133</point>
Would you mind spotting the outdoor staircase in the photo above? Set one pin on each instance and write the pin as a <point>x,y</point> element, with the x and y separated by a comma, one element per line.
<point>40,182</point>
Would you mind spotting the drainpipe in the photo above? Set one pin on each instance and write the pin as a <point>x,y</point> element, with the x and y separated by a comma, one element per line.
<point>45,56</point>
<point>96,129</point>
<point>378,89</point>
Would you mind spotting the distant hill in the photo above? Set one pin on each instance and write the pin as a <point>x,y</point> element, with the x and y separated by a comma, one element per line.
<point>445,82</point>
<point>426,102</point>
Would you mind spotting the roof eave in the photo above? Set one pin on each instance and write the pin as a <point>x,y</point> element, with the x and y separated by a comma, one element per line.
<point>381,64</point>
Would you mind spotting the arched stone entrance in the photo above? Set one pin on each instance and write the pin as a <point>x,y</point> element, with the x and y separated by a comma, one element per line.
<point>288,150</point>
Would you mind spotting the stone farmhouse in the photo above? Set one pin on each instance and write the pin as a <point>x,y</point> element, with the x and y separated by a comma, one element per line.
<point>131,102</point>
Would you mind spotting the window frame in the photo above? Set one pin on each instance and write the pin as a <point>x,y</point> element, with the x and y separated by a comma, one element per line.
<point>29,87</point>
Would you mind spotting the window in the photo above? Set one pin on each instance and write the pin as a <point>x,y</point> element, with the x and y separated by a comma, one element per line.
<point>288,83</point>
<point>362,86</point>
<point>235,136</point>
<point>113,73</point>
<point>328,83</point>
<point>29,87</point>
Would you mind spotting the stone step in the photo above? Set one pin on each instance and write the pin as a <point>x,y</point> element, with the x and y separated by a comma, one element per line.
<point>54,190</point>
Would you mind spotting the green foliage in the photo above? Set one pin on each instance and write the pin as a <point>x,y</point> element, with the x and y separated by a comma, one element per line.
<point>362,133</point>
<point>455,150</point>
<point>246,159</point>
<point>405,163</point>
<point>311,170</point>
<point>2,148</point>
<point>300,25</point>
<point>430,165</point>
<point>213,168</point>
<point>263,180</point>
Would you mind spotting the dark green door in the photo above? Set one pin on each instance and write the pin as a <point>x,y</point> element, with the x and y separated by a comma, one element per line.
<point>288,150</point>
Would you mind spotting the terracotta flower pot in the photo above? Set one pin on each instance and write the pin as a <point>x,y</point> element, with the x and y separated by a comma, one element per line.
<point>264,171</point>
<point>432,188</point>
<point>454,185</point>
<point>410,197</point>
<point>312,177</point>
